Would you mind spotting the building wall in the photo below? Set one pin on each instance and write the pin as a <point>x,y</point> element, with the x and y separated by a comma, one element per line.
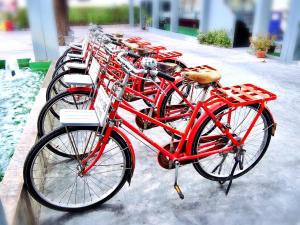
<point>221,17</point>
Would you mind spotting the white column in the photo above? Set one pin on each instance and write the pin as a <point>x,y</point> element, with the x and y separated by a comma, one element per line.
<point>292,32</point>
<point>174,15</point>
<point>141,14</point>
<point>205,7</point>
<point>43,29</point>
<point>131,13</point>
<point>155,13</point>
<point>262,17</point>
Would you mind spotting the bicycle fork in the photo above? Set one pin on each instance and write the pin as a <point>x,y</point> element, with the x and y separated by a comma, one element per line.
<point>176,186</point>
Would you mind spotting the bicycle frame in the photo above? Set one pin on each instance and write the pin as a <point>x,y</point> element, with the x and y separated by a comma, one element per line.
<point>180,153</point>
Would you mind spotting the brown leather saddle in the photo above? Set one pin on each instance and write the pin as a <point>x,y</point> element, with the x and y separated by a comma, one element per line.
<point>166,67</point>
<point>203,76</point>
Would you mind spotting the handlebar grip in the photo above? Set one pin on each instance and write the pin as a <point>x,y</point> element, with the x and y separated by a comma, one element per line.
<point>113,39</point>
<point>133,55</point>
<point>165,76</point>
<point>116,43</point>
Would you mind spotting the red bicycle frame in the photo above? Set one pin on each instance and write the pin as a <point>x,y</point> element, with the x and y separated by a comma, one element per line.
<point>249,92</point>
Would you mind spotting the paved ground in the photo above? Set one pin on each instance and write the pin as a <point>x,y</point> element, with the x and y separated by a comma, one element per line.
<point>269,194</point>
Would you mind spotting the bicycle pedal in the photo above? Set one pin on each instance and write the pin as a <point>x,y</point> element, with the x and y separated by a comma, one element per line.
<point>178,190</point>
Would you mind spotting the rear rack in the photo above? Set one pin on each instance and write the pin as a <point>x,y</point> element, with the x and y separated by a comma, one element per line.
<point>168,55</point>
<point>240,95</point>
<point>197,68</point>
<point>156,48</point>
<point>143,43</point>
<point>134,39</point>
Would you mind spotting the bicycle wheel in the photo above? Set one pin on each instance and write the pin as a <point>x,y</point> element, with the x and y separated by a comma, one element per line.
<point>173,104</point>
<point>56,182</point>
<point>48,119</point>
<point>57,85</point>
<point>61,67</point>
<point>217,167</point>
<point>146,85</point>
<point>62,58</point>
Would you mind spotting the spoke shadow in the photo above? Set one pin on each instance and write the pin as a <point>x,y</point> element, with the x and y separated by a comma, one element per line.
<point>63,217</point>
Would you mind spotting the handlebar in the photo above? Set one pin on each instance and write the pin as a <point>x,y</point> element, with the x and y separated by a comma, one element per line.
<point>134,70</point>
<point>129,66</point>
<point>133,55</point>
<point>162,75</point>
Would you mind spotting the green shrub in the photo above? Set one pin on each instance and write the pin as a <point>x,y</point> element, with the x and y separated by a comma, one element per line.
<point>219,38</point>
<point>101,15</point>
<point>21,18</point>
<point>85,15</point>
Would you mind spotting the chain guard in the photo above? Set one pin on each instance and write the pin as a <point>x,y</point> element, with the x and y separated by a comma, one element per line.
<point>130,97</point>
<point>143,124</point>
<point>164,161</point>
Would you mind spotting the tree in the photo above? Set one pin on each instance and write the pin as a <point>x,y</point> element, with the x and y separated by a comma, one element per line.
<point>61,18</point>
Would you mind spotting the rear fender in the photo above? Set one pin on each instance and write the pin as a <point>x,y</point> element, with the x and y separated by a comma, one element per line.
<point>75,89</point>
<point>131,150</point>
<point>178,62</point>
<point>163,95</point>
<point>274,124</point>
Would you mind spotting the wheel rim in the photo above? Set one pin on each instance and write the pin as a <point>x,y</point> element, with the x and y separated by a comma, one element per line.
<point>57,181</point>
<point>254,145</point>
<point>192,94</point>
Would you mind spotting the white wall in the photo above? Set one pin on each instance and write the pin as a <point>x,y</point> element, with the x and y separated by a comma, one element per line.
<point>221,17</point>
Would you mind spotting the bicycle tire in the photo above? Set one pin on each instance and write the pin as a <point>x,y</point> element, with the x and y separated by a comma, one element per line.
<point>31,186</point>
<point>209,176</point>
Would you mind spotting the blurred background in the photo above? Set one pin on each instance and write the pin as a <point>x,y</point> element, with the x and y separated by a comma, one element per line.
<point>240,19</point>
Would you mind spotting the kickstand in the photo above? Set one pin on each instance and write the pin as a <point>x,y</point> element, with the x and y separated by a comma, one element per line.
<point>231,175</point>
<point>176,186</point>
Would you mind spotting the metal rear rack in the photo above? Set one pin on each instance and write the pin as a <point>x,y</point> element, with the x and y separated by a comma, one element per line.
<point>197,68</point>
<point>168,55</point>
<point>134,39</point>
<point>240,95</point>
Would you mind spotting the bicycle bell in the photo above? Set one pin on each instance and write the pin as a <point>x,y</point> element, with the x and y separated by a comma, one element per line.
<point>149,63</point>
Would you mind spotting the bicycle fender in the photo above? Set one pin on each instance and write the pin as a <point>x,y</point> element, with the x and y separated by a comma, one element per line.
<point>197,125</point>
<point>131,150</point>
<point>177,61</point>
<point>74,89</point>
<point>163,95</point>
<point>274,124</point>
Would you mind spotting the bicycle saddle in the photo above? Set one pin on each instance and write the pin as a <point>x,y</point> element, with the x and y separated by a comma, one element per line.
<point>204,76</point>
<point>131,46</point>
<point>144,51</point>
<point>166,67</point>
<point>118,35</point>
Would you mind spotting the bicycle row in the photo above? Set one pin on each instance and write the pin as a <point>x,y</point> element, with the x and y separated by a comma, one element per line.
<point>84,156</point>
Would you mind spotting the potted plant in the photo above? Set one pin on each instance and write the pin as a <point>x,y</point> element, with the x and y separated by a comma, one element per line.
<point>261,45</point>
<point>272,46</point>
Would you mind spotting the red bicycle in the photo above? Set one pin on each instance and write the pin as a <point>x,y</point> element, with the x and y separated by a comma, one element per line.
<point>227,140</point>
<point>57,84</point>
<point>172,102</point>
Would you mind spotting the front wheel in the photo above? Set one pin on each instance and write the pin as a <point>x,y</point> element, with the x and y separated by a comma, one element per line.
<point>217,167</point>
<point>56,181</point>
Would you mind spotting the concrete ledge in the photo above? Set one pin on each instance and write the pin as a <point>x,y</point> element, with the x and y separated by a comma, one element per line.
<point>17,206</point>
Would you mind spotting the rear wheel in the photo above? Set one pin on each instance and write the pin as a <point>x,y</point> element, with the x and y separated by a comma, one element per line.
<point>217,167</point>
<point>56,181</point>
<point>149,86</point>
<point>174,105</point>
